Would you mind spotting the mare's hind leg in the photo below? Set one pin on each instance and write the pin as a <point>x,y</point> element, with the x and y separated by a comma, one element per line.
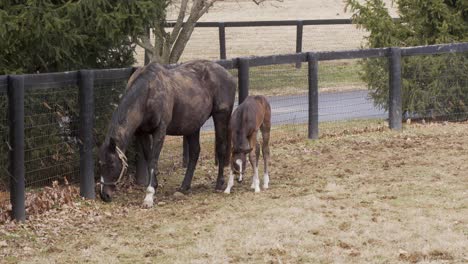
<point>153,158</point>
<point>194,152</point>
<point>265,128</point>
<point>221,122</point>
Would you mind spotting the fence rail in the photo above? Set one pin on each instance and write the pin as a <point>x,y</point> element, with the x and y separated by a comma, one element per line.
<point>86,81</point>
<point>299,24</point>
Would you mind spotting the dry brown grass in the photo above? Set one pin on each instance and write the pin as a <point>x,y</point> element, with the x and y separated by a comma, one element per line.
<point>365,196</point>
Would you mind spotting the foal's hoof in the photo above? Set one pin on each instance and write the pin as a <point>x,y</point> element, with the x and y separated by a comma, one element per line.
<point>239,180</point>
<point>147,204</point>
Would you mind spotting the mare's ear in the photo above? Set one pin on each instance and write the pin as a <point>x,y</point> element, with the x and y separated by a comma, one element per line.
<point>112,145</point>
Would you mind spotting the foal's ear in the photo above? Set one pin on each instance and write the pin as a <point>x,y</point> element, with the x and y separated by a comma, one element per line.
<point>247,151</point>
<point>112,145</point>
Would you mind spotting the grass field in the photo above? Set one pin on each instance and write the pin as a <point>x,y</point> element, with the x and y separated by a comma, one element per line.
<point>361,194</point>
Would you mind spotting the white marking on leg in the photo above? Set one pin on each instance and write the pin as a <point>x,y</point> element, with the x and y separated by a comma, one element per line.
<point>102,183</point>
<point>230,183</point>
<point>148,202</point>
<point>266,180</point>
<point>256,180</point>
<point>239,163</point>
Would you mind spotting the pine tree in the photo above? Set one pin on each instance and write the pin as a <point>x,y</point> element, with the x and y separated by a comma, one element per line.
<point>60,35</point>
<point>432,85</point>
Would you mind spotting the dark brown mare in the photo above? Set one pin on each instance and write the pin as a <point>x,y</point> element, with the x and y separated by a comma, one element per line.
<point>159,102</point>
<point>250,116</point>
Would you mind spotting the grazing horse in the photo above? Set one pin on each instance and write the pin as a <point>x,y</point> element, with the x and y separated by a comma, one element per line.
<point>253,114</point>
<point>159,102</point>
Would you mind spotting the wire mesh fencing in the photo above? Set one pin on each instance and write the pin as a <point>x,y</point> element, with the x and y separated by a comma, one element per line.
<point>51,133</point>
<point>344,97</point>
<point>107,94</point>
<point>285,87</point>
<point>435,88</point>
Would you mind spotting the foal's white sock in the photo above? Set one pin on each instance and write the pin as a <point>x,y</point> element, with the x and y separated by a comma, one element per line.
<point>230,183</point>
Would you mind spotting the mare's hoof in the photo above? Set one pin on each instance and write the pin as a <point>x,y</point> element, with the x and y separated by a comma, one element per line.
<point>219,187</point>
<point>183,190</point>
<point>227,191</point>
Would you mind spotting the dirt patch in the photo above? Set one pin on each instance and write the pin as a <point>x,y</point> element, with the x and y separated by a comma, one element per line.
<point>368,197</point>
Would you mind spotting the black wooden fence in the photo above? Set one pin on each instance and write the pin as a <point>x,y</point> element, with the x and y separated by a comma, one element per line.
<point>299,24</point>
<point>86,81</point>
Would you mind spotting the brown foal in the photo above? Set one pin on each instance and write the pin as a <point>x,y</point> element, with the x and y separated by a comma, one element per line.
<point>250,116</point>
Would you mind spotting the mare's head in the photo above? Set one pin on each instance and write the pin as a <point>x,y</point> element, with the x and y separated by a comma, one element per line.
<point>112,165</point>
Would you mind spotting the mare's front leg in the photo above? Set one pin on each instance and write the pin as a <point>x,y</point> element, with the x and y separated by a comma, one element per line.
<point>194,153</point>
<point>153,158</point>
<point>142,141</point>
<point>223,144</point>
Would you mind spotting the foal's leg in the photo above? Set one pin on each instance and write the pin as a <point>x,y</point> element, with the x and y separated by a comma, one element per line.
<point>230,182</point>
<point>194,152</point>
<point>265,128</point>
<point>153,158</point>
<point>253,157</point>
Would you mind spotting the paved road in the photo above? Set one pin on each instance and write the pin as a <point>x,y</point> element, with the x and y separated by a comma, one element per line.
<point>293,109</point>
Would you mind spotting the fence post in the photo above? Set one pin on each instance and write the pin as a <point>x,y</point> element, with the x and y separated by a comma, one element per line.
<point>313,129</point>
<point>222,41</point>
<point>16,169</point>
<point>395,114</point>
<point>299,30</point>
<point>86,101</point>
<point>243,76</point>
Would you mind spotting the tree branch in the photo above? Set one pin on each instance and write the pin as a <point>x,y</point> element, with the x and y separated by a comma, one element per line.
<point>180,21</point>
<point>207,5</point>
<point>145,43</point>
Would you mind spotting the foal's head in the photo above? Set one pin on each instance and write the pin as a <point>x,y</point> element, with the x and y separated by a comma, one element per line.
<point>112,165</point>
<point>239,161</point>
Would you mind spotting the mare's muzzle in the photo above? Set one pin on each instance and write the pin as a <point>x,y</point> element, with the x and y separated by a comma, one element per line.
<point>107,190</point>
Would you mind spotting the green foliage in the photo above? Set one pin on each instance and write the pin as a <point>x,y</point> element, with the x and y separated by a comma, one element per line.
<point>61,35</point>
<point>435,85</point>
